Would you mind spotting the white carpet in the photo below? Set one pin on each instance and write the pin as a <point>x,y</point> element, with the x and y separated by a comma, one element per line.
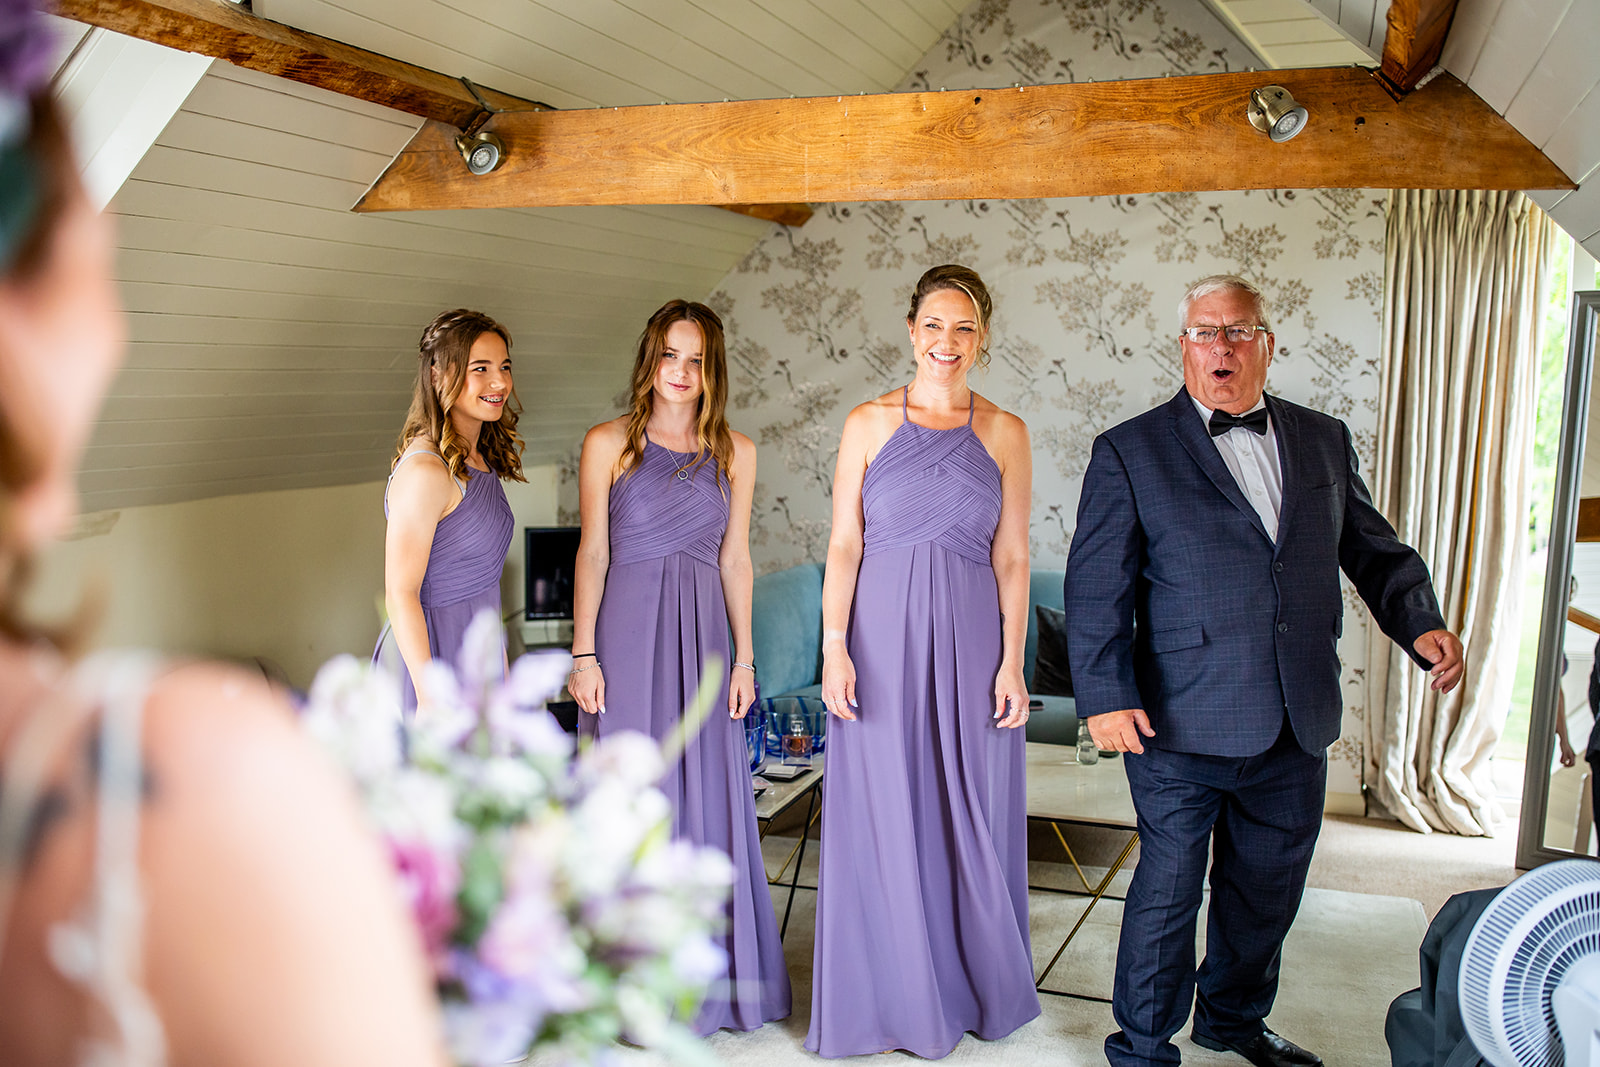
<point>1347,957</point>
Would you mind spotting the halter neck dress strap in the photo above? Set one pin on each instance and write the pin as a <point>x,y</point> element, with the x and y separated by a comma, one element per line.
<point>971,402</point>
<point>905,396</point>
<point>460,485</point>
<point>101,948</point>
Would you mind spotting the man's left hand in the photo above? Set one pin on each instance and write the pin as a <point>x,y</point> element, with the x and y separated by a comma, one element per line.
<point>1442,649</point>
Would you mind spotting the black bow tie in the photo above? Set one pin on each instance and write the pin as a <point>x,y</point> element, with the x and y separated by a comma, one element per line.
<point>1254,421</point>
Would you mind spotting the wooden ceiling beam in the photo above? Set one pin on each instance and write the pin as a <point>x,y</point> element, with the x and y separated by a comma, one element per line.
<point>1414,41</point>
<point>225,31</point>
<point>1086,139</point>
<point>228,32</point>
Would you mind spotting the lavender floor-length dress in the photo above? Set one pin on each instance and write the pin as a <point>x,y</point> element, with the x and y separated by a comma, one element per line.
<point>922,911</point>
<point>463,575</point>
<point>661,616</point>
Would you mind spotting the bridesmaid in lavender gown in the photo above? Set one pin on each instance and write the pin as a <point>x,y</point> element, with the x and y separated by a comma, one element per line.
<point>922,911</point>
<point>663,573</point>
<point>449,523</point>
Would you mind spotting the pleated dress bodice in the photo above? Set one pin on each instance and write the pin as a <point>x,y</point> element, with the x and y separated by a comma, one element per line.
<point>932,486</point>
<point>665,505</point>
<point>469,546</point>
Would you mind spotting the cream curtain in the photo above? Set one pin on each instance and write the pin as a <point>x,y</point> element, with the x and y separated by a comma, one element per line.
<point>1465,287</point>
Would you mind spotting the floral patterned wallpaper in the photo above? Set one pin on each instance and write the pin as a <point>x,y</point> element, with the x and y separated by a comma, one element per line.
<point>1086,291</point>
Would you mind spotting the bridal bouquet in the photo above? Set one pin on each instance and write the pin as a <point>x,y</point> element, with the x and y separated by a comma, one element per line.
<point>558,913</point>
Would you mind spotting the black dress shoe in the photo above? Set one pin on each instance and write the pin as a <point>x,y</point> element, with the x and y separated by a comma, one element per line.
<point>1265,1049</point>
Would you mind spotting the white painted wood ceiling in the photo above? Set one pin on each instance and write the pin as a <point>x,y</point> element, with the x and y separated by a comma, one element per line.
<point>1534,62</point>
<point>273,332</point>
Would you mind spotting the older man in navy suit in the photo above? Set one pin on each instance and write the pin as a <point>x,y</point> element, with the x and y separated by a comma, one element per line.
<point>1203,614</point>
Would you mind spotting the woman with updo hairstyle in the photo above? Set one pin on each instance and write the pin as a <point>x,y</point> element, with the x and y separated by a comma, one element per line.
<point>922,903</point>
<point>183,878</point>
<point>449,522</point>
<point>663,575</point>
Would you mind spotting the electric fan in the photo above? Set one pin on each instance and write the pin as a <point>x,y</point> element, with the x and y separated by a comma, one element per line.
<point>1530,972</point>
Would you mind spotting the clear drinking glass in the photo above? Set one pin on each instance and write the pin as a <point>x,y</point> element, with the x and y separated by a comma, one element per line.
<point>1088,751</point>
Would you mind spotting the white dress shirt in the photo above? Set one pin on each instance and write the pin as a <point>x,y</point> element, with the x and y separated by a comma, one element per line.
<point>1252,459</point>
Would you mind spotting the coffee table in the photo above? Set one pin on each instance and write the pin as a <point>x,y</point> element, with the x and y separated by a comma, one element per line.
<point>1062,791</point>
<point>778,798</point>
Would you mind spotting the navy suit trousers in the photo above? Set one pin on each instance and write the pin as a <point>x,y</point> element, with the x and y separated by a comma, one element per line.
<point>1257,817</point>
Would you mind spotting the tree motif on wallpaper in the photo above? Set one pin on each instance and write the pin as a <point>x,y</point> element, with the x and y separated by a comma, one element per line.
<point>1366,288</point>
<point>889,227</point>
<point>812,308</point>
<point>748,359</point>
<point>1094,303</point>
<point>1341,208</point>
<point>1331,387</point>
<point>1089,407</point>
<point>1049,528</point>
<point>1023,363</point>
<point>1029,219</point>
<point>807,535</point>
<point>1117,26</point>
<point>807,443</point>
<point>887,363</point>
<point>1248,250</point>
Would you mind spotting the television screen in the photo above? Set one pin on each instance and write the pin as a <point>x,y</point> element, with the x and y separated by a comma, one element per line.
<point>549,566</point>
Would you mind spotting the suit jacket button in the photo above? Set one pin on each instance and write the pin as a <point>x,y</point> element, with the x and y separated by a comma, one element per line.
<point>1283,627</point>
<point>1278,566</point>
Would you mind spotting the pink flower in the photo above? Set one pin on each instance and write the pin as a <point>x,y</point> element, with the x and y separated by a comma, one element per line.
<point>429,879</point>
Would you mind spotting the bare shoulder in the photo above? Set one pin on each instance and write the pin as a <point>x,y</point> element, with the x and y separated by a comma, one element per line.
<point>876,415</point>
<point>742,445</point>
<point>268,890</point>
<point>226,733</point>
<point>990,419</point>
<point>605,441</point>
<point>420,475</point>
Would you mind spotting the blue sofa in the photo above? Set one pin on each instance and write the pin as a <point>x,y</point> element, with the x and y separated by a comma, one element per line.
<point>786,631</point>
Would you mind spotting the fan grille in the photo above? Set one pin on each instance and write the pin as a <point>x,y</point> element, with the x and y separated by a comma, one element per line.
<point>1518,952</point>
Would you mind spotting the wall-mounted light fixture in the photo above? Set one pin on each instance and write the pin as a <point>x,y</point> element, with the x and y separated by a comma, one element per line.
<point>1273,111</point>
<point>480,150</point>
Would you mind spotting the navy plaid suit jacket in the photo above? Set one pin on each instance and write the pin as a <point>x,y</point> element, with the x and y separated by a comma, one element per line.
<point>1179,603</point>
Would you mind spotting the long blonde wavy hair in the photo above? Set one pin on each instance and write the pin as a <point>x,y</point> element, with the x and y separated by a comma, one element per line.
<point>713,439</point>
<point>442,356</point>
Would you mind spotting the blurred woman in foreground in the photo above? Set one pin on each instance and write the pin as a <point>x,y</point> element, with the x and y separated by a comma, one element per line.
<point>181,878</point>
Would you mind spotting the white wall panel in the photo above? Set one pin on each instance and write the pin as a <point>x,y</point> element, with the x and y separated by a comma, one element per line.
<point>1562,76</point>
<point>1521,31</point>
<point>1469,29</point>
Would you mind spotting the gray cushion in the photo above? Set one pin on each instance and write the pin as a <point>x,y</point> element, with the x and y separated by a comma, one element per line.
<point>1052,675</point>
<point>1044,587</point>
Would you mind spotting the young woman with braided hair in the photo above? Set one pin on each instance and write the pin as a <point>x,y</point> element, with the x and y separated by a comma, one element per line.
<point>449,523</point>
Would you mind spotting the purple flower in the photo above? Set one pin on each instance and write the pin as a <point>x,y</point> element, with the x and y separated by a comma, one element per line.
<point>26,49</point>
<point>429,879</point>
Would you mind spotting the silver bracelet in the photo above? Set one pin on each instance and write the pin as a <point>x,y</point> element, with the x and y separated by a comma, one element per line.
<point>751,667</point>
<point>580,670</point>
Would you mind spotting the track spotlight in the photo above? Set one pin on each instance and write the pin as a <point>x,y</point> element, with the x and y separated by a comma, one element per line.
<point>1273,111</point>
<point>482,151</point>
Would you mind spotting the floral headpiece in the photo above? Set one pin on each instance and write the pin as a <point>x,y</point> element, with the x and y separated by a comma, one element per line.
<point>26,53</point>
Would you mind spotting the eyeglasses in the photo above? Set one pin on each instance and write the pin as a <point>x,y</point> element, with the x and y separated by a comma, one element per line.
<point>1236,334</point>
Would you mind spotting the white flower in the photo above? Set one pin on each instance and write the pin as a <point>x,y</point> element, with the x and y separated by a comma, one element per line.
<point>354,712</point>
<point>511,783</point>
<point>483,652</point>
<point>627,758</point>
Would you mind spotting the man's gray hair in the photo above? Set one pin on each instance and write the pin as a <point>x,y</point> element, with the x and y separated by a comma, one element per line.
<point>1221,283</point>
